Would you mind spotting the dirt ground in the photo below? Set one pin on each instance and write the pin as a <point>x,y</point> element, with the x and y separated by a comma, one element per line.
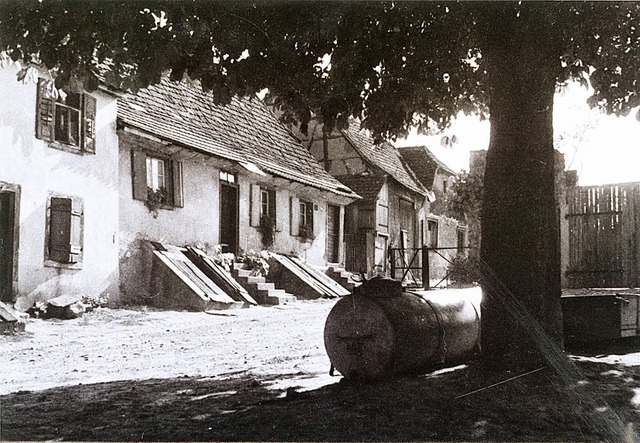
<point>262,374</point>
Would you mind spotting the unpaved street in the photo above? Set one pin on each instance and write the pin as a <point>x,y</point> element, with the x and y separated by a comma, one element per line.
<point>108,345</point>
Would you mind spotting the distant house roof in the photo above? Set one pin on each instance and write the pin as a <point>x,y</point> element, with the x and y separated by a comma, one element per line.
<point>366,186</point>
<point>423,163</point>
<point>245,131</point>
<point>384,156</point>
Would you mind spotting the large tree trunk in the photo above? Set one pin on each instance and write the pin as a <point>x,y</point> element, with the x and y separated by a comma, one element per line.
<point>520,234</point>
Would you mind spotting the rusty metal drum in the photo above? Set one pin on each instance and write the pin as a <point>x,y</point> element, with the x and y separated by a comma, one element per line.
<point>381,331</point>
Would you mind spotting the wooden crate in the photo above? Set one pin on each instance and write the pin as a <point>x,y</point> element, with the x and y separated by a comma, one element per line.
<point>598,317</point>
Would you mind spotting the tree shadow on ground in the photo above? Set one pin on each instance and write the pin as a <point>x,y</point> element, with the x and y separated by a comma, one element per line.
<point>244,408</point>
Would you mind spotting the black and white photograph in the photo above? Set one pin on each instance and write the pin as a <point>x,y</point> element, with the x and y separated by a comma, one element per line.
<point>319,221</point>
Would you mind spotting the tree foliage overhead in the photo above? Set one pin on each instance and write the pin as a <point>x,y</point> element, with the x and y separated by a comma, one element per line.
<point>424,57</point>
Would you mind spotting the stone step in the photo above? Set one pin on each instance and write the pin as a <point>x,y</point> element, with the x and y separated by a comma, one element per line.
<point>273,297</point>
<point>242,272</point>
<point>263,286</point>
<point>343,277</point>
<point>279,298</point>
<point>262,291</point>
<point>250,279</point>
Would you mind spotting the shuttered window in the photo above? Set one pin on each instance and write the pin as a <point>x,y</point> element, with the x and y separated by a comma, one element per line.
<point>267,205</point>
<point>262,208</point>
<point>67,119</point>
<point>306,220</point>
<point>156,177</point>
<point>64,239</point>
<point>294,216</point>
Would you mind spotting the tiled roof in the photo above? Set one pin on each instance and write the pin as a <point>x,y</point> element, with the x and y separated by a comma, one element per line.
<point>366,186</point>
<point>383,156</point>
<point>424,163</point>
<point>423,167</point>
<point>244,131</point>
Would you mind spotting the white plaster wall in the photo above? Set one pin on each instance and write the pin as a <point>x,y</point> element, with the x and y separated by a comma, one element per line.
<point>40,170</point>
<point>198,222</point>
<point>195,223</point>
<point>285,243</point>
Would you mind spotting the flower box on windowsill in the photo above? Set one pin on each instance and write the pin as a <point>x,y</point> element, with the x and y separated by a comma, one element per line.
<point>157,199</point>
<point>305,234</point>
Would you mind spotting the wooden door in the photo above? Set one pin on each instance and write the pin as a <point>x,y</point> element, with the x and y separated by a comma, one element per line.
<point>333,234</point>
<point>229,218</point>
<point>7,224</point>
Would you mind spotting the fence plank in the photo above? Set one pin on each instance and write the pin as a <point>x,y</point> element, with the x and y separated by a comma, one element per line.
<point>603,246</point>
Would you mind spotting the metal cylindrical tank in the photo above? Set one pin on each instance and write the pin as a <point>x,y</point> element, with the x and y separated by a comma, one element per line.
<point>380,331</point>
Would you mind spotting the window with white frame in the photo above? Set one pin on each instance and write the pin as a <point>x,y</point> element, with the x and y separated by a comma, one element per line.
<point>267,206</point>
<point>228,177</point>
<point>157,179</point>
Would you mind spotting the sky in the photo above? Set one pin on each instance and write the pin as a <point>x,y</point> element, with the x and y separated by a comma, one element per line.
<point>602,149</point>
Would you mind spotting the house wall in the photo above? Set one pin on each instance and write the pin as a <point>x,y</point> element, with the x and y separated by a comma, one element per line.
<point>195,223</point>
<point>447,238</point>
<point>447,228</point>
<point>398,220</point>
<point>312,251</point>
<point>39,171</point>
<point>369,234</point>
<point>341,158</point>
<point>198,221</point>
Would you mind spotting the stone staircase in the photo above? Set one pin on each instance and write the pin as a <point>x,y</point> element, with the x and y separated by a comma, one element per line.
<point>342,276</point>
<point>263,292</point>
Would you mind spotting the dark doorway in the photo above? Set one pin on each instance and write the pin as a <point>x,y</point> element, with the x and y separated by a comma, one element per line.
<point>7,225</point>
<point>229,218</point>
<point>333,233</point>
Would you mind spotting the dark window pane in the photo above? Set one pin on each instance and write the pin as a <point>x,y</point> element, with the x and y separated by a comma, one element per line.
<point>67,125</point>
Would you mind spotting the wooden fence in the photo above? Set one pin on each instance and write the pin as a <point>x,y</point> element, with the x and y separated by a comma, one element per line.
<point>603,244</point>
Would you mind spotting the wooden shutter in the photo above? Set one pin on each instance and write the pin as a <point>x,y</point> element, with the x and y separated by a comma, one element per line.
<point>273,210</point>
<point>60,229</point>
<point>310,212</point>
<point>76,231</point>
<point>139,174</point>
<point>89,124</point>
<point>176,176</point>
<point>294,215</point>
<point>45,125</point>
<point>254,205</point>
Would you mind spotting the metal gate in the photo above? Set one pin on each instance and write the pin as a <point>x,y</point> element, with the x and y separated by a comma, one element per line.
<point>603,246</point>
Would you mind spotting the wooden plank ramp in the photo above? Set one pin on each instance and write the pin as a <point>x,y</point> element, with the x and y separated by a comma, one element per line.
<point>199,282</point>
<point>322,278</point>
<point>219,275</point>
<point>302,279</point>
